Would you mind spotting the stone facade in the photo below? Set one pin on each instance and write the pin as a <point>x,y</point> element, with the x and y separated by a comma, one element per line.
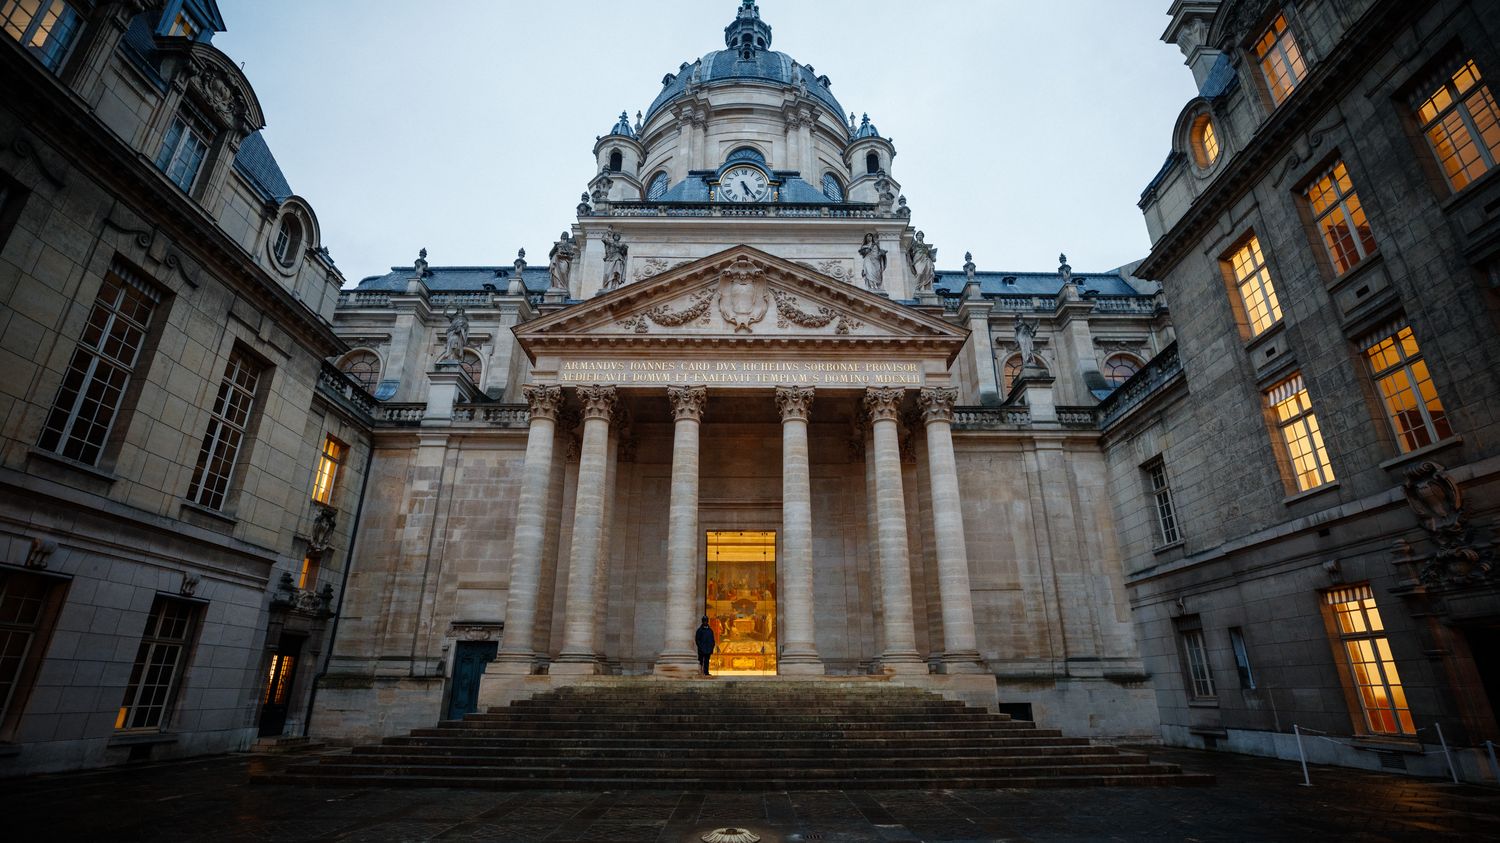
<point>1251,571</point>
<point>123,541</point>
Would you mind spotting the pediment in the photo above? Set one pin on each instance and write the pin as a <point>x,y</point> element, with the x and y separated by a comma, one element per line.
<point>740,297</point>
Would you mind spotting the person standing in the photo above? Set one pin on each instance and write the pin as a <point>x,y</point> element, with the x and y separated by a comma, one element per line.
<point>706,643</point>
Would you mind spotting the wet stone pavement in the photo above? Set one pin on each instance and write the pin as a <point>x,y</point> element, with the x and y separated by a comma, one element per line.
<point>1255,799</point>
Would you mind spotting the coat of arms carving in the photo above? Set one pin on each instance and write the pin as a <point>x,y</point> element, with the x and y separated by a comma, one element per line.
<point>743,295</point>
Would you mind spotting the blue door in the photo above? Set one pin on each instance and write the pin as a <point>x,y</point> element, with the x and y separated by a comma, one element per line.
<point>468,667</point>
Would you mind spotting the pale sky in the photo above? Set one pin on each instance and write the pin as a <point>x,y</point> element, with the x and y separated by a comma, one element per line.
<point>1022,128</point>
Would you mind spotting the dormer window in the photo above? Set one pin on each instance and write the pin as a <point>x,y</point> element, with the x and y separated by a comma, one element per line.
<point>1280,60</point>
<point>1204,142</point>
<point>46,28</point>
<point>179,20</point>
<point>182,27</point>
<point>183,151</point>
<point>288,241</point>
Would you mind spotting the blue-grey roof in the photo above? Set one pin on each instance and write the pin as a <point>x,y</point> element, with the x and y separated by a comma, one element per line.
<point>1166,167</point>
<point>866,129</point>
<point>722,66</point>
<point>622,127</point>
<point>1221,77</point>
<point>258,165</point>
<point>1033,283</point>
<point>459,279</point>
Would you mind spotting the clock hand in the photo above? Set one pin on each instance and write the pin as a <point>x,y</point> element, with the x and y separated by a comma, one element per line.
<point>745,188</point>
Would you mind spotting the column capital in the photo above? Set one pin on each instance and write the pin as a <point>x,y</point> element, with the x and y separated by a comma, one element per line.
<point>794,402</point>
<point>544,400</point>
<point>597,402</point>
<point>687,402</point>
<point>883,403</point>
<point>937,403</point>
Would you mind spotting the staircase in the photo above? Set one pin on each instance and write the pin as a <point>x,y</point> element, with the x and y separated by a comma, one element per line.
<point>725,734</point>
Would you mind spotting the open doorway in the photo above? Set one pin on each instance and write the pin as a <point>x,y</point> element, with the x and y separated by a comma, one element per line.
<point>740,601</point>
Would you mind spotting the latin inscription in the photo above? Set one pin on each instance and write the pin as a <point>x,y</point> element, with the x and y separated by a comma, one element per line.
<point>742,372</point>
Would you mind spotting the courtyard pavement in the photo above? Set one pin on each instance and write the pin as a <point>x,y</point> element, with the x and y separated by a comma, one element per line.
<point>1255,799</point>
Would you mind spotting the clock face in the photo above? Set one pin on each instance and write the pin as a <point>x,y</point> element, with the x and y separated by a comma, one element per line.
<point>744,184</point>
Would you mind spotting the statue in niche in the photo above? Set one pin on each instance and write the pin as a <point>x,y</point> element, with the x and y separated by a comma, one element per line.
<point>872,266</point>
<point>922,257</point>
<point>1026,339</point>
<point>561,258</point>
<point>615,251</point>
<point>457,336</point>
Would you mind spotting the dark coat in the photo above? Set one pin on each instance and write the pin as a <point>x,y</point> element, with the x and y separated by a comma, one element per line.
<point>705,639</point>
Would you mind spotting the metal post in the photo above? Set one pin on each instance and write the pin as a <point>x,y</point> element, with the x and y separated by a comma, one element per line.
<point>1453,771</point>
<point>1306,779</point>
<point>1494,765</point>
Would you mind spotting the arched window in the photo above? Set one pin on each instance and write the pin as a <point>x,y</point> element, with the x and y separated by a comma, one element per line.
<point>832,188</point>
<point>872,163</point>
<point>658,187</point>
<point>472,365</point>
<point>288,241</point>
<point>363,367</point>
<point>1119,367</point>
<point>1012,370</point>
<point>746,153</point>
<point>616,161</point>
<point>1204,142</point>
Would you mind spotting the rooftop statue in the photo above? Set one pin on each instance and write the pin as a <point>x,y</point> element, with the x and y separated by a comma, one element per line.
<point>615,251</point>
<point>561,258</point>
<point>922,257</point>
<point>872,266</point>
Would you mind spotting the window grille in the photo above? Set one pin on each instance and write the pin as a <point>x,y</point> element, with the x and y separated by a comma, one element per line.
<point>159,664</point>
<point>832,188</point>
<point>1119,368</point>
<point>1280,59</point>
<point>182,152</point>
<point>227,427</point>
<point>1367,653</point>
<point>1161,495</point>
<point>363,367</point>
<point>46,28</point>
<point>1340,218</point>
<point>329,462</point>
<point>1462,125</point>
<point>1200,677</point>
<point>1257,291</point>
<point>658,188</point>
<point>1406,390</point>
<point>1300,433</point>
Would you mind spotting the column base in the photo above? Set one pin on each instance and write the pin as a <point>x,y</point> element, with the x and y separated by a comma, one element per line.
<point>801,660</point>
<point>962,661</point>
<point>512,664</point>
<point>902,662</point>
<point>577,665</point>
<point>677,663</point>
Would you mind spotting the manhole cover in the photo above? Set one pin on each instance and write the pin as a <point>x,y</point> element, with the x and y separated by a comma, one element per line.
<point>731,835</point>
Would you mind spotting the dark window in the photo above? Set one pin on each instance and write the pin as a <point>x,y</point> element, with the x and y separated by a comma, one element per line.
<point>658,187</point>
<point>1241,658</point>
<point>159,665</point>
<point>28,608</point>
<point>182,152</point>
<point>616,161</point>
<point>227,427</point>
<point>832,188</point>
<point>872,163</point>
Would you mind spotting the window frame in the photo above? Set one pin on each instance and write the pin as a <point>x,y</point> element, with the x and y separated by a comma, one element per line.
<point>152,642</point>
<point>1371,631</point>
<point>53,60</point>
<point>1107,368</point>
<point>1458,104</point>
<point>1202,134</point>
<point>1261,50</point>
<point>1344,203</point>
<point>1168,532</point>
<point>829,179</point>
<point>1241,652</point>
<point>1405,366</point>
<point>1197,667</point>
<point>660,178</point>
<point>223,427</point>
<point>1264,283</point>
<point>52,593</point>
<point>286,245</point>
<point>1305,420</point>
<point>356,356</point>
<point>184,125</point>
<point>329,466</point>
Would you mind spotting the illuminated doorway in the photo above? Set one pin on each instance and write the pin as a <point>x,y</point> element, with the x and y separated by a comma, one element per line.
<point>741,601</point>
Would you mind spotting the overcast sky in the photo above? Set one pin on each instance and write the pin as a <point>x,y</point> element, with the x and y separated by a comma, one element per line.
<point>1022,128</point>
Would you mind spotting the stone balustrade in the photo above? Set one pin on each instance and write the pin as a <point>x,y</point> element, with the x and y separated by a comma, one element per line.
<point>1161,370</point>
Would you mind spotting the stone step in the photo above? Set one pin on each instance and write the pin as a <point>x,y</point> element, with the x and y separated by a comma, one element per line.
<point>736,744</point>
<point>707,735</point>
<point>729,721</point>
<point>379,779</point>
<point>766,760</point>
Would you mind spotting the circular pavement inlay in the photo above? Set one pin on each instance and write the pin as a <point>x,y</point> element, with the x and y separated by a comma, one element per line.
<point>731,835</point>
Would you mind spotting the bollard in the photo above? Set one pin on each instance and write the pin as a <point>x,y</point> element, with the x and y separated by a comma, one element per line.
<point>1306,779</point>
<point>1451,769</point>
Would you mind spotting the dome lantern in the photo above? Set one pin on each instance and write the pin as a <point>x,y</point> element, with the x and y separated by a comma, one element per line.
<point>748,34</point>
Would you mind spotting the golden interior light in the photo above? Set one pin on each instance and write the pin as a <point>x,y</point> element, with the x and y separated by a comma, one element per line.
<point>740,601</point>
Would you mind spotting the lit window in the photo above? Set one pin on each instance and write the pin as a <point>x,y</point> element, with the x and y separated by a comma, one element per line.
<point>1406,390</point>
<point>158,665</point>
<point>1367,652</point>
<point>1340,218</point>
<point>1462,124</point>
<point>363,367</point>
<point>1300,433</point>
<point>182,153</point>
<point>47,28</point>
<point>1280,59</point>
<point>26,604</point>
<point>1161,496</point>
<point>182,27</point>
<point>93,386</point>
<point>658,188</point>
<point>1241,658</point>
<point>226,432</point>
<point>1262,309</point>
<point>278,679</point>
<point>328,470</point>
<point>1200,677</point>
<point>1204,142</point>
<point>288,241</point>
<point>307,576</point>
<point>832,188</point>
<point>1119,368</point>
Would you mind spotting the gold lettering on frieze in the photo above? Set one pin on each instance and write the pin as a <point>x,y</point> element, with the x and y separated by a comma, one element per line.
<point>743,372</point>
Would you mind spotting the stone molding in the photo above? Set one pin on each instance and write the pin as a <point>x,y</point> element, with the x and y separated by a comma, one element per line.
<point>688,402</point>
<point>794,402</point>
<point>597,402</point>
<point>883,403</point>
<point>543,400</point>
<point>937,403</point>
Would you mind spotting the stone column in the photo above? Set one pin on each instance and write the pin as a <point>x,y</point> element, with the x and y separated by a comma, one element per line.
<point>518,643</point>
<point>577,655</point>
<point>679,654</point>
<point>883,405</point>
<point>799,652</point>
<point>960,650</point>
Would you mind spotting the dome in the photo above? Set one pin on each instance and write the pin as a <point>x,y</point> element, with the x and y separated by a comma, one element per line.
<point>747,59</point>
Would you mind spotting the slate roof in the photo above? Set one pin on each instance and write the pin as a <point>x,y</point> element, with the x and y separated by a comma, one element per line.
<point>1034,283</point>
<point>458,279</point>
<point>725,65</point>
<point>1221,77</point>
<point>256,163</point>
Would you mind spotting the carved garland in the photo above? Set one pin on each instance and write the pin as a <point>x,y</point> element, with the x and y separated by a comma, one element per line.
<point>666,317</point>
<point>788,314</point>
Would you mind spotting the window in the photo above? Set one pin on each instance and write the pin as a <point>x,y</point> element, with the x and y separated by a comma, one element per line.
<point>1204,142</point>
<point>1241,658</point>
<point>1200,679</point>
<point>872,163</point>
<point>46,28</point>
<point>1411,402</point>
<point>364,368</point>
<point>1280,60</point>
<point>27,607</point>
<point>93,386</point>
<point>658,188</point>
<point>158,666</point>
<point>832,188</point>
<point>1257,292</point>
<point>328,470</point>
<point>1340,218</point>
<point>1300,433</point>
<point>1161,497</point>
<point>288,241</point>
<point>616,161</point>
<point>227,426</point>
<point>1012,370</point>
<point>182,27</point>
<point>1367,652</point>
<point>1462,124</point>
<point>307,576</point>
<point>182,152</point>
<point>471,366</point>
<point>277,679</point>
<point>1118,368</point>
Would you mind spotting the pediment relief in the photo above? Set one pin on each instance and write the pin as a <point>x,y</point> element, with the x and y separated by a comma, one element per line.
<point>741,295</point>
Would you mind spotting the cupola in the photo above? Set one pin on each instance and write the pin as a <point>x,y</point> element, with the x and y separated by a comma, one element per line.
<point>748,34</point>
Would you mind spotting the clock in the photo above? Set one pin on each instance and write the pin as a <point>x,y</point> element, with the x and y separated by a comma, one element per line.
<point>744,184</point>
